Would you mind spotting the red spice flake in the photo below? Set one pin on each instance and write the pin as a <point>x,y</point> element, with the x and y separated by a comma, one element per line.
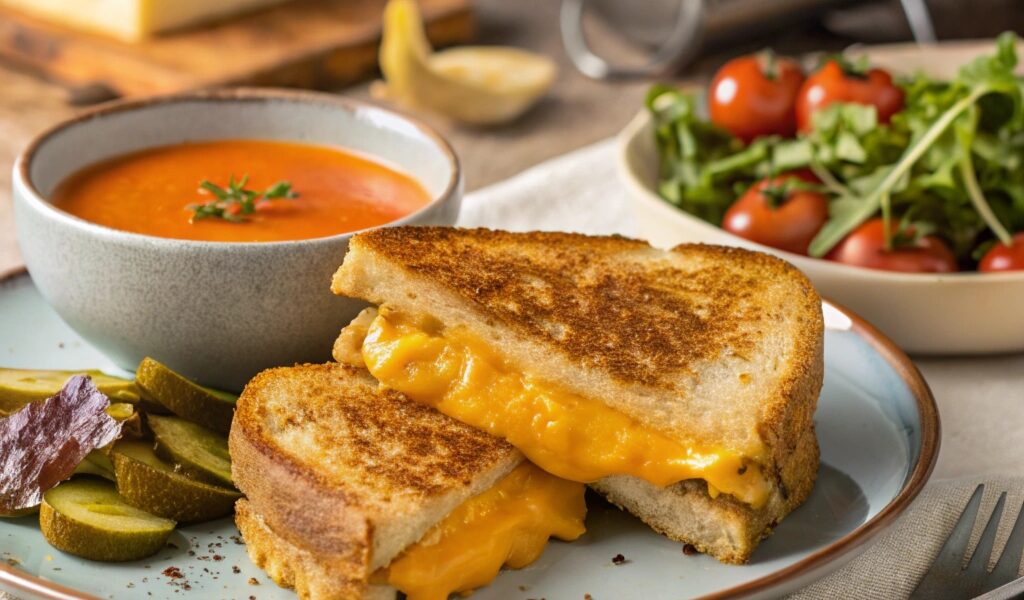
<point>619,559</point>
<point>587,597</point>
<point>689,549</point>
<point>173,572</point>
<point>218,557</point>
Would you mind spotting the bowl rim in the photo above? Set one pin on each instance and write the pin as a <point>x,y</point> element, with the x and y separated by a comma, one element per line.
<point>642,192</point>
<point>34,198</point>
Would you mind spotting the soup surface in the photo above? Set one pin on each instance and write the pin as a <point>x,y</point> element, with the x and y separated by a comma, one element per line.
<point>150,192</point>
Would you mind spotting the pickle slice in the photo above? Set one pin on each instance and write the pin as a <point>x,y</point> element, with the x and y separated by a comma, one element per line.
<point>207,407</point>
<point>18,387</point>
<point>129,416</point>
<point>86,517</point>
<point>151,484</point>
<point>199,451</point>
<point>96,463</point>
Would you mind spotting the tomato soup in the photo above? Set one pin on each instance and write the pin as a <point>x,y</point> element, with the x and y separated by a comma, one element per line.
<point>154,192</point>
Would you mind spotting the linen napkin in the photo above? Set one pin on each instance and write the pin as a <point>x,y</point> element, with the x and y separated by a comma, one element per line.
<point>580,192</point>
<point>577,192</point>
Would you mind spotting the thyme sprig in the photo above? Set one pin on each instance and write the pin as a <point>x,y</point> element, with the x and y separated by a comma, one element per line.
<point>234,203</point>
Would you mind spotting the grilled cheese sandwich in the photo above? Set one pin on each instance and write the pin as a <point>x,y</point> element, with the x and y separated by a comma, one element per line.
<point>681,384</point>
<point>571,436</point>
<point>509,524</point>
<point>355,492</point>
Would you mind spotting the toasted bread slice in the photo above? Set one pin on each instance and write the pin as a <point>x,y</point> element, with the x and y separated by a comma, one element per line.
<point>723,527</point>
<point>710,346</point>
<point>311,575</point>
<point>349,473</point>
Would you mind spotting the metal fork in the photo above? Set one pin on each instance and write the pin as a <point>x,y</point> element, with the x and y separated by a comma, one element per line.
<point>948,578</point>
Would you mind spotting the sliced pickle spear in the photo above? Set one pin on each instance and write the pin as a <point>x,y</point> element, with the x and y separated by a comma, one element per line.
<point>18,387</point>
<point>96,463</point>
<point>207,407</point>
<point>199,451</point>
<point>86,517</point>
<point>129,416</point>
<point>151,484</point>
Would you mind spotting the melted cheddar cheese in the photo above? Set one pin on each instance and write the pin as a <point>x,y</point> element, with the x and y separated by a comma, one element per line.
<point>508,524</point>
<point>573,437</point>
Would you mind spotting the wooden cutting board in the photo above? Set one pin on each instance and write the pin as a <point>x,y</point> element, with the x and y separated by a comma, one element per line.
<point>305,43</point>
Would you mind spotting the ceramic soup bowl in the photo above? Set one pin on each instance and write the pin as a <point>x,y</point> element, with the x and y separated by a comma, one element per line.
<point>218,312</point>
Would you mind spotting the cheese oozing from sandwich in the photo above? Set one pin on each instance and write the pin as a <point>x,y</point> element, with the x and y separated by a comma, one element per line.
<point>509,524</point>
<point>571,436</point>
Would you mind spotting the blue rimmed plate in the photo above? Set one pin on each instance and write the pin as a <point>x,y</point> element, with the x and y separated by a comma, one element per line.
<point>877,425</point>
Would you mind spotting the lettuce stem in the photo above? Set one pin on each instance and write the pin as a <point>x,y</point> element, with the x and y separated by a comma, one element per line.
<point>978,199</point>
<point>834,231</point>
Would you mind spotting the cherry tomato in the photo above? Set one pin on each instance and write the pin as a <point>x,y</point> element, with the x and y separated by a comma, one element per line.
<point>865,247</point>
<point>755,95</point>
<point>832,84</point>
<point>1004,258</point>
<point>789,224</point>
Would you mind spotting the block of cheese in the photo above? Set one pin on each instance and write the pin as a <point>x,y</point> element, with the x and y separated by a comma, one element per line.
<point>134,19</point>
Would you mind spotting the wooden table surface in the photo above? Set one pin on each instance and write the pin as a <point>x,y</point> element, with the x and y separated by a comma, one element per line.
<point>577,112</point>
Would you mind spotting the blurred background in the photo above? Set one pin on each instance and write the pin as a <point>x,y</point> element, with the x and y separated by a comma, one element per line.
<point>48,70</point>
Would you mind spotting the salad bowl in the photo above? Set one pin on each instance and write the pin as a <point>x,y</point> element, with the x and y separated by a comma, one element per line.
<point>925,313</point>
<point>938,314</point>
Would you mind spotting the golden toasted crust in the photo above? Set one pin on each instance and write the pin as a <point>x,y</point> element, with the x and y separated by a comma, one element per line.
<point>650,322</point>
<point>716,347</point>
<point>337,466</point>
<point>579,295</point>
<point>314,576</point>
<point>721,527</point>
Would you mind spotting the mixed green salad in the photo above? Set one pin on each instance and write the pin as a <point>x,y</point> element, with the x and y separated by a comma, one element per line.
<point>913,174</point>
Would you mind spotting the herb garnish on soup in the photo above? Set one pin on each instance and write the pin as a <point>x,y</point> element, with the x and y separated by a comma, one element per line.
<point>240,191</point>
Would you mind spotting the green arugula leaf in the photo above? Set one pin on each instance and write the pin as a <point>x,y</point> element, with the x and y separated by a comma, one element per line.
<point>951,163</point>
<point>235,202</point>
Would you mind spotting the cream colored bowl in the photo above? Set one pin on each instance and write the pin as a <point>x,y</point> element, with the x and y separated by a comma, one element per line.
<point>961,313</point>
<point>217,312</point>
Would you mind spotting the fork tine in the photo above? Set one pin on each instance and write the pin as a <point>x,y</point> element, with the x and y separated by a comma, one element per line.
<point>983,552</point>
<point>945,570</point>
<point>1009,563</point>
<point>975,575</point>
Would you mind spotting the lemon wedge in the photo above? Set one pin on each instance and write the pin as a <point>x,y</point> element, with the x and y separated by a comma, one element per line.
<point>479,85</point>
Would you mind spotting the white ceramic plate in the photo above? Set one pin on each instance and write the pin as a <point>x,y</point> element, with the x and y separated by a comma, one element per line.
<point>876,422</point>
<point>961,313</point>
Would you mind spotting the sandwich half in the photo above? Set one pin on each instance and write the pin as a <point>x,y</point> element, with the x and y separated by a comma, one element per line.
<point>680,384</point>
<point>355,492</point>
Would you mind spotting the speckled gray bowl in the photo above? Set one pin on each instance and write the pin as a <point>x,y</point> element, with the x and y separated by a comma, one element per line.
<point>217,312</point>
